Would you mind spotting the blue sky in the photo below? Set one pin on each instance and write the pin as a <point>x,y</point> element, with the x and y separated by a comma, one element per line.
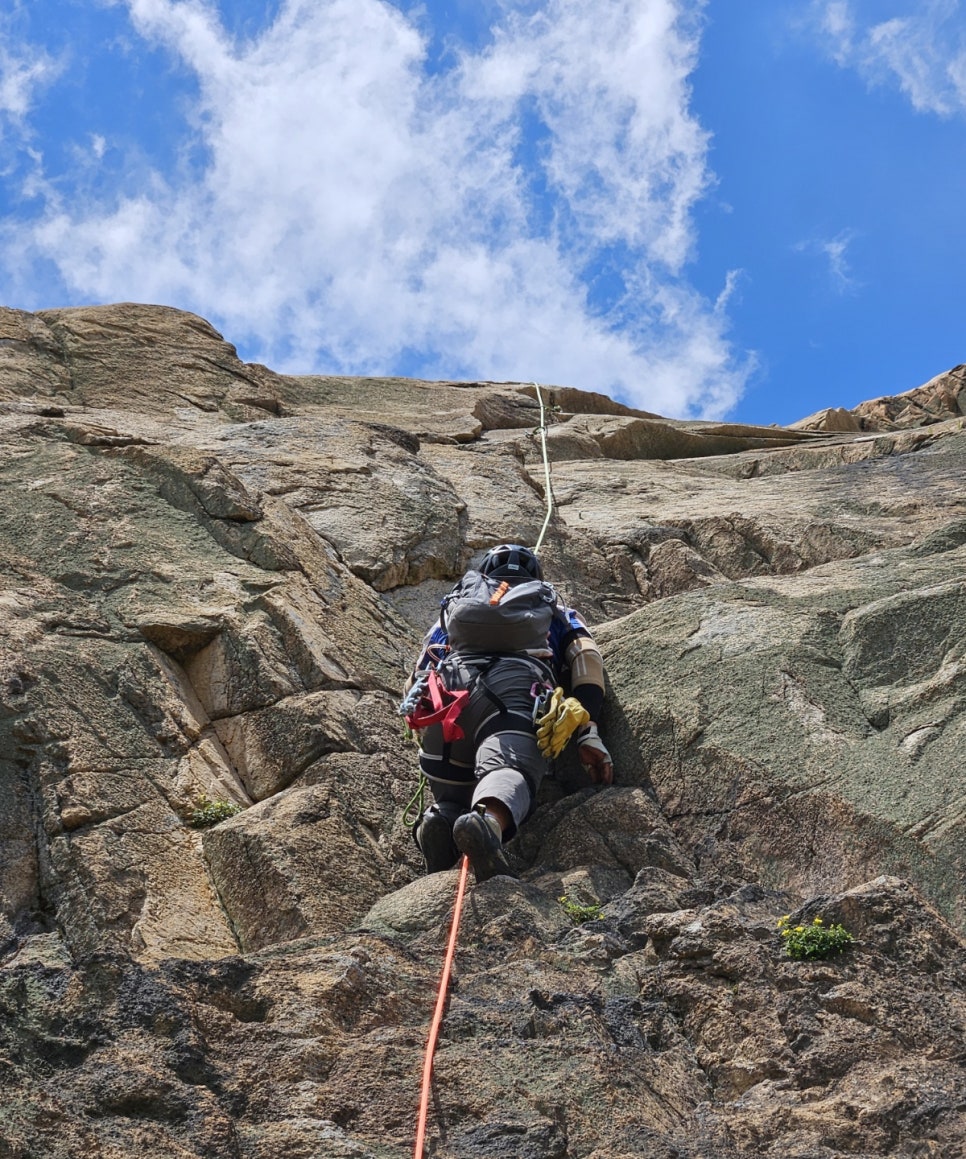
<point>748,210</point>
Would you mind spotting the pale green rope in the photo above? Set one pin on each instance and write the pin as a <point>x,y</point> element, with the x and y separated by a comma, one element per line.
<point>416,803</point>
<point>548,489</point>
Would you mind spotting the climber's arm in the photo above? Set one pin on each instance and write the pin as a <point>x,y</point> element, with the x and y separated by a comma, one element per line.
<point>587,683</point>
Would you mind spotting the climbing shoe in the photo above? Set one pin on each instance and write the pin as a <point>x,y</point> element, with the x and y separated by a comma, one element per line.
<point>434,836</point>
<point>478,836</point>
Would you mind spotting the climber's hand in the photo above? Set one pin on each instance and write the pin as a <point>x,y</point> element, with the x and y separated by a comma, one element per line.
<point>594,756</point>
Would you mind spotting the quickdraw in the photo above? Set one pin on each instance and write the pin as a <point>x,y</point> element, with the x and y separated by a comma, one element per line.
<point>414,695</point>
<point>542,693</point>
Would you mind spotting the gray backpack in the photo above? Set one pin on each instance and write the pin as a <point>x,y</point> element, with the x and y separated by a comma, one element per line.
<point>487,614</point>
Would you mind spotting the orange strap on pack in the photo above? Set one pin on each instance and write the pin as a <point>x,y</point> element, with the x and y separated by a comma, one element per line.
<point>498,595</point>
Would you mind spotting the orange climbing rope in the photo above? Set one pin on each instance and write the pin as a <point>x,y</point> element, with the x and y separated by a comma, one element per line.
<point>438,1015</point>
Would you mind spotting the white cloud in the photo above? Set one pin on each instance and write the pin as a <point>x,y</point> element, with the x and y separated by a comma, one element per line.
<point>836,24</point>
<point>353,207</point>
<point>610,82</point>
<point>922,52</point>
<point>835,252</point>
<point>23,72</point>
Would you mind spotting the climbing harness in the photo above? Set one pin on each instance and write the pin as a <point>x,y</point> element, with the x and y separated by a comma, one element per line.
<point>438,1013</point>
<point>429,702</point>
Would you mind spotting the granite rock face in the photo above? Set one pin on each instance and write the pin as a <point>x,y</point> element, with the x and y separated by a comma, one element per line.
<point>212,581</point>
<point>940,399</point>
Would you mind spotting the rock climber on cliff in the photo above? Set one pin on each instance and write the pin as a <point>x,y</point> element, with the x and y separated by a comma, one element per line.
<point>488,704</point>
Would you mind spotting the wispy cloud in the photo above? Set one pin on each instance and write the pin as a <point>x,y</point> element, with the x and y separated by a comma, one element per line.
<point>922,52</point>
<point>24,72</point>
<point>836,23</point>
<point>834,251</point>
<point>355,210</point>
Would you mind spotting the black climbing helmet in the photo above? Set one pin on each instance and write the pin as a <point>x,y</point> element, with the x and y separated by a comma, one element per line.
<point>510,561</point>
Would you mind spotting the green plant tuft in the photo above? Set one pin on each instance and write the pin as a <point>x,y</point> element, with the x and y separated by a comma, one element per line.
<point>816,940</point>
<point>207,812</point>
<point>580,913</point>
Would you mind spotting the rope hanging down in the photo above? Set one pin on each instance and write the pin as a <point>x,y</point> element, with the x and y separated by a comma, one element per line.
<point>417,799</point>
<point>548,489</point>
<point>438,1015</point>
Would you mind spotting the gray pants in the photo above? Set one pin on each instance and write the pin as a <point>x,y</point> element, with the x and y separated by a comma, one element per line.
<point>498,755</point>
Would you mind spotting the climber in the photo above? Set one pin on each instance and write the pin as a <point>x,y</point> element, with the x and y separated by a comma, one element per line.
<point>504,640</point>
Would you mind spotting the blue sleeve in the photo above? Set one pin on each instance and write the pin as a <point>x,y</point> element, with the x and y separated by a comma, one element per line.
<point>434,645</point>
<point>565,625</point>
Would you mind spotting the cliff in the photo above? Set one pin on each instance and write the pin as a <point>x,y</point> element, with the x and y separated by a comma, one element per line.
<point>212,581</point>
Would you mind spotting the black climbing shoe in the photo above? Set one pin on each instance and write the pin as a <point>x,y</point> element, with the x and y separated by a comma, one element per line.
<point>483,845</point>
<point>434,836</point>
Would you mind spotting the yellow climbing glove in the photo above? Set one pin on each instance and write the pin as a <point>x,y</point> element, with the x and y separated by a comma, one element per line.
<point>563,717</point>
<point>546,722</point>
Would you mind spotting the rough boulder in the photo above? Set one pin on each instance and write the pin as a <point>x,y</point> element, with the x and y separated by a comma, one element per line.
<point>213,579</point>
